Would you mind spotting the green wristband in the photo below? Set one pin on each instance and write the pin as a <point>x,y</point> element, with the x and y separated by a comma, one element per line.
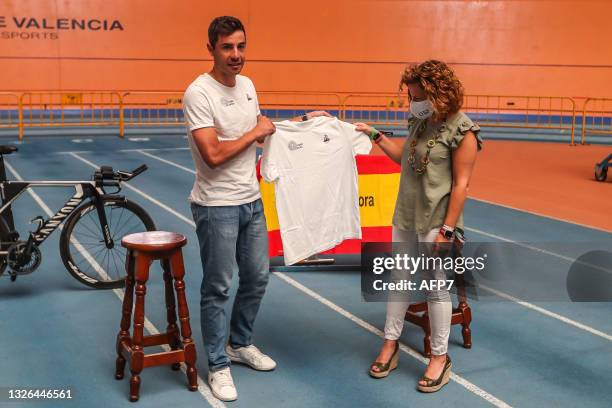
<point>373,133</point>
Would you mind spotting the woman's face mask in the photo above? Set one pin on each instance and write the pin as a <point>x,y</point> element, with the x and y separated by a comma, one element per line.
<point>421,109</point>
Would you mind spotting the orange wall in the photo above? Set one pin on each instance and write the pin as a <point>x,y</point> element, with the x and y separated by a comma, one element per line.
<point>498,47</point>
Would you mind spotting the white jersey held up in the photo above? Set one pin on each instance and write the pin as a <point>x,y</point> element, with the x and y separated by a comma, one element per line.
<point>312,165</point>
<point>232,112</point>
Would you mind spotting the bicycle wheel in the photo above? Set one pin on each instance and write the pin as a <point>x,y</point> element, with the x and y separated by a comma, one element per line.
<point>82,245</point>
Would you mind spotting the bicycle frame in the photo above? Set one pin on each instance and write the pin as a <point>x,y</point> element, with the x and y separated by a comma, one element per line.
<point>11,190</point>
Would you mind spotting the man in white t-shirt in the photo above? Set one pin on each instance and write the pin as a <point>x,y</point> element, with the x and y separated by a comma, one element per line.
<point>224,122</point>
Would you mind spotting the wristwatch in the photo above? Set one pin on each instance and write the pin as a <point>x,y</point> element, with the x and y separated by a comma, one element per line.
<point>304,117</point>
<point>447,232</point>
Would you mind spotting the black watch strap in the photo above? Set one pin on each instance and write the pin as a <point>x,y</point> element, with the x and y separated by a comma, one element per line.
<point>447,232</point>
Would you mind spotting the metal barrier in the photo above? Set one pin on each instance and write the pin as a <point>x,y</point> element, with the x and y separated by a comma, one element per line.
<point>387,109</point>
<point>50,109</point>
<point>151,109</point>
<point>287,104</point>
<point>534,112</point>
<point>10,111</point>
<point>596,117</point>
<point>525,112</point>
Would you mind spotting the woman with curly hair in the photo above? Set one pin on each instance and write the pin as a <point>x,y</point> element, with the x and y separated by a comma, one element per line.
<point>436,161</point>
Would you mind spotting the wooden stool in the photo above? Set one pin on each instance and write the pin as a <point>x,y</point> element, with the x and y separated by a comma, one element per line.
<point>462,314</point>
<point>144,248</point>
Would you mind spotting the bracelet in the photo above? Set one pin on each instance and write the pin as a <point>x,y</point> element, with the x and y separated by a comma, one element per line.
<point>375,135</point>
<point>459,235</point>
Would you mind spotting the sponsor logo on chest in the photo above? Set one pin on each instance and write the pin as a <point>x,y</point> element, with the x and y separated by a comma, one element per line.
<point>226,102</point>
<point>295,146</point>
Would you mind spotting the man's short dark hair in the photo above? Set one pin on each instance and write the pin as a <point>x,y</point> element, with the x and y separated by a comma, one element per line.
<point>224,25</point>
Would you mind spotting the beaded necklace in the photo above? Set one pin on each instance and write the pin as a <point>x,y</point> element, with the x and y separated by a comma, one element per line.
<point>431,143</point>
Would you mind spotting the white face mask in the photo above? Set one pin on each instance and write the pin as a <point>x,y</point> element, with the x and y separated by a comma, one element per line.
<point>421,109</point>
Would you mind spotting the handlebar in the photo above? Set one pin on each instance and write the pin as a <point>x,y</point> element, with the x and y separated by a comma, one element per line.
<point>126,175</point>
<point>106,176</point>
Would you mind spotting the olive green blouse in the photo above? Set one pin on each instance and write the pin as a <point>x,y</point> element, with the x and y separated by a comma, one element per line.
<point>423,198</point>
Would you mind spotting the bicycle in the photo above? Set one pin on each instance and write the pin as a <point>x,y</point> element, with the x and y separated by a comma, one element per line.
<point>94,222</point>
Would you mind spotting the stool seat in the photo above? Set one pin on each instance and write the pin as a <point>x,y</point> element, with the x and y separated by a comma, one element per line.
<point>154,241</point>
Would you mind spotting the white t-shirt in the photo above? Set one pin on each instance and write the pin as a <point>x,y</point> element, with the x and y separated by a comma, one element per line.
<point>232,111</point>
<point>312,165</point>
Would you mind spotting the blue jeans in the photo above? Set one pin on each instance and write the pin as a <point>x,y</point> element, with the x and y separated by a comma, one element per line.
<point>232,238</point>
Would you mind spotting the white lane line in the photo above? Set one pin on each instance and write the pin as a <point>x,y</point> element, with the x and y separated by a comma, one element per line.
<point>202,388</point>
<point>160,149</point>
<point>178,166</point>
<point>540,215</point>
<point>406,349</point>
<point>137,191</point>
<point>548,313</point>
<point>540,250</point>
<point>460,380</point>
<point>75,151</point>
<point>505,295</point>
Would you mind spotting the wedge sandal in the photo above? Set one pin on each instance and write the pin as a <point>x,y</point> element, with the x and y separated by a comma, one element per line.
<point>384,369</point>
<point>435,385</point>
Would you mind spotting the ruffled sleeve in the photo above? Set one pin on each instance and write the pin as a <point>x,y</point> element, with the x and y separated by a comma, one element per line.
<point>464,125</point>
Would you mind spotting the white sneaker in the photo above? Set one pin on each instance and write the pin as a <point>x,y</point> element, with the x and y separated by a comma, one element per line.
<point>251,356</point>
<point>222,384</point>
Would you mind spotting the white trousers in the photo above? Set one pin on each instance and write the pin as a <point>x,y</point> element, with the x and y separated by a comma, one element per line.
<point>438,301</point>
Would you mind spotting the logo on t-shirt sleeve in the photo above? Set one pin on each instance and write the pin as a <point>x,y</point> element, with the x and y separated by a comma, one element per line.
<point>249,98</point>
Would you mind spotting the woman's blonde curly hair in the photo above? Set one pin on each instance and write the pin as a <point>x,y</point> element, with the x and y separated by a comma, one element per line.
<point>440,84</point>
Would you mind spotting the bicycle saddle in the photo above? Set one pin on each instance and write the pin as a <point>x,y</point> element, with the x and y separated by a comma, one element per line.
<point>7,149</point>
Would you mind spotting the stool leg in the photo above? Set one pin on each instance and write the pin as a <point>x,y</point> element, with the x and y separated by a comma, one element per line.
<point>178,272</point>
<point>466,313</point>
<point>136,365</point>
<point>126,317</point>
<point>466,332</point>
<point>172,329</point>
<point>427,339</point>
<point>119,367</point>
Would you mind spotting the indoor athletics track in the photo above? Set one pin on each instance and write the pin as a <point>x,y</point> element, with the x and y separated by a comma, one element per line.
<point>57,333</point>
